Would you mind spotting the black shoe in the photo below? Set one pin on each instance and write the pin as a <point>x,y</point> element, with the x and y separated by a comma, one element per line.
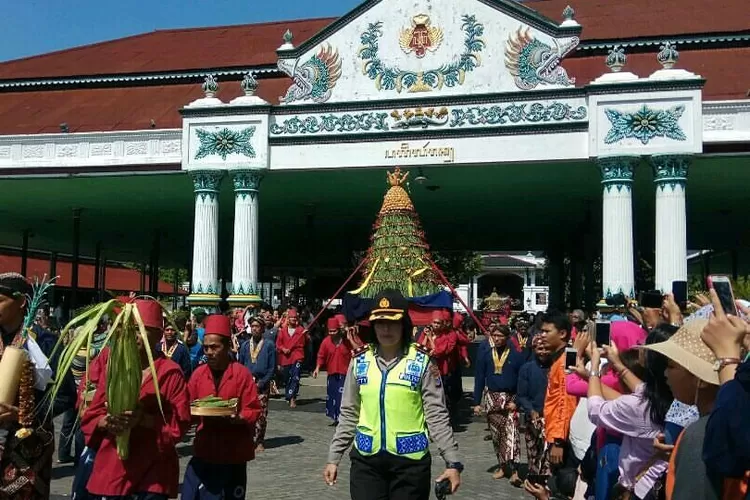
<point>66,460</point>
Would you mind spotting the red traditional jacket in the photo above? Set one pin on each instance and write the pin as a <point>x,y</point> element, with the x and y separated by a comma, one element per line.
<point>153,465</point>
<point>334,359</point>
<point>296,343</point>
<point>219,440</point>
<point>444,352</point>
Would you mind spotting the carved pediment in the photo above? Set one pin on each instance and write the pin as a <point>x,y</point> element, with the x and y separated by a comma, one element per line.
<point>390,49</point>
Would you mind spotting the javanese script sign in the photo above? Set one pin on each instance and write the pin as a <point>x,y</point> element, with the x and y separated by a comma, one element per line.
<point>407,150</point>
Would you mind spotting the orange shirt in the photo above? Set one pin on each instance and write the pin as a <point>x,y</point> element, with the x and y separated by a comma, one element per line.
<point>558,405</point>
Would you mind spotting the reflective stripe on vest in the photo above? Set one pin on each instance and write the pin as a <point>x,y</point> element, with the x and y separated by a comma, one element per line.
<point>391,415</point>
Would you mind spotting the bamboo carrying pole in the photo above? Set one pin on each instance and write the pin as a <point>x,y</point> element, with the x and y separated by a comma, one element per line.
<point>455,294</point>
<point>11,366</point>
<point>354,273</point>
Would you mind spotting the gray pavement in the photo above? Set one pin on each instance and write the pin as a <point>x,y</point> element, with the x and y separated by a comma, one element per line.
<point>297,444</point>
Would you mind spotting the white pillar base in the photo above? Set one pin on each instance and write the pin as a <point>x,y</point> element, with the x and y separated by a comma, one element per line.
<point>205,284</point>
<point>670,178</point>
<point>245,289</point>
<point>618,271</point>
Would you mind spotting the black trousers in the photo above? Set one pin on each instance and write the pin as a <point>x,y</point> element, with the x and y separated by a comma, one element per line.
<point>389,477</point>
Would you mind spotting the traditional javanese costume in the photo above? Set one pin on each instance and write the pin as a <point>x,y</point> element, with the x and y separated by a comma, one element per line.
<point>26,446</point>
<point>497,369</point>
<point>291,364</point>
<point>260,358</point>
<point>179,353</point>
<point>222,447</point>
<point>334,357</point>
<point>152,469</point>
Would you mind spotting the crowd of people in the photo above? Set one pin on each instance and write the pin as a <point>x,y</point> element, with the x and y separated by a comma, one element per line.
<point>654,410</point>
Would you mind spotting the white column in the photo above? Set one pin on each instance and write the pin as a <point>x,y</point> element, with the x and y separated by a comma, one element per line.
<point>475,293</point>
<point>205,285</point>
<point>245,257</point>
<point>618,275</point>
<point>670,177</point>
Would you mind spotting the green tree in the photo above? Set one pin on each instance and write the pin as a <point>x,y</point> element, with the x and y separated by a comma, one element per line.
<point>458,266</point>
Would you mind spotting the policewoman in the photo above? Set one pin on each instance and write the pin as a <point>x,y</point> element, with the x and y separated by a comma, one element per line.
<point>392,406</point>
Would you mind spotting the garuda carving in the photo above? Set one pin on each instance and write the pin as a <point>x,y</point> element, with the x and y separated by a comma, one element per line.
<point>314,79</point>
<point>534,63</point>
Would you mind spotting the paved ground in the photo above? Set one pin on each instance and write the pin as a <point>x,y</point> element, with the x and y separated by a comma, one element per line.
<point>297,444</point>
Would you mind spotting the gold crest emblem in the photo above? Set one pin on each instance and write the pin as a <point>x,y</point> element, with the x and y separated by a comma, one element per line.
<point>384,303</point>
<point>421,37</point>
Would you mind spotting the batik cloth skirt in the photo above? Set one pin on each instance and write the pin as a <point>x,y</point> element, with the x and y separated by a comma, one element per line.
<point>536,447</point>
<point>262,422</point>
<point>504,428</point>
<point>335,390</point>
<point>26,464</point>
<point>291,375</point>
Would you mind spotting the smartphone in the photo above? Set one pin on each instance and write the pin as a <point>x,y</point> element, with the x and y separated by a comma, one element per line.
<point>571,356</point>
<point>602,334</point>
<point>537,479</point>
<point>680,293</point>
<point>723,287</point>
<point>652,300</point>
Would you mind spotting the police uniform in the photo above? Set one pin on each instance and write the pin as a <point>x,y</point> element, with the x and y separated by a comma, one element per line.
<point>390,411</point>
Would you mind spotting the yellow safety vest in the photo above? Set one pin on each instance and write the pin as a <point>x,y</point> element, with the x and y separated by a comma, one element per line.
<point>391,416</point>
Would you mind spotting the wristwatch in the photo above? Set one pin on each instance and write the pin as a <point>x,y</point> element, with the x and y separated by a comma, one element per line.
<point>720,363</point>
<point>595,373</point>
<point>455,465</point>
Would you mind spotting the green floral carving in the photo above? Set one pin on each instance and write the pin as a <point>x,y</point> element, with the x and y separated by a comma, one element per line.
<point>645,124</point>
<point>225,142</point>
<point>617,171</point>
<point>246,183</point>
<point>245,289</point>
<point>331,123</point>
<point>451,74</point>
<point>670,170</point>
<point>206,183</point>
<point>517,113</point>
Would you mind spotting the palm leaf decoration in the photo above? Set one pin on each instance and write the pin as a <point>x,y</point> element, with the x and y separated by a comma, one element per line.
<point>124,373</point>
<point>37,300</point>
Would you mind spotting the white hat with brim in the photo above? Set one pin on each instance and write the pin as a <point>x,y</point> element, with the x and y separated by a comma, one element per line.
<point>687,349</point>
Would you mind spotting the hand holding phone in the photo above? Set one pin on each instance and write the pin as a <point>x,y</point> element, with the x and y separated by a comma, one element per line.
<point>723,287</point>
<point>443,489</point>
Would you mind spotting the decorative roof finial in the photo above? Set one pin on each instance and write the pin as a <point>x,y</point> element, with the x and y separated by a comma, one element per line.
<point>210,87</point>
<point>616,59</point>
<point>249,84</point>
<point>288,37</point>
<point>668,55</point>
<point>568,13</point>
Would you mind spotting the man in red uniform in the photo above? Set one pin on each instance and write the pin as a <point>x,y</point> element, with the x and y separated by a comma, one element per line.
<point>290,350</point>
<point>223,445</point>
<point>334,356</point>
<point>152,470</point>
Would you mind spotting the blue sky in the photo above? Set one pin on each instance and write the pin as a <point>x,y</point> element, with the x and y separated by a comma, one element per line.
<point>29,27</point>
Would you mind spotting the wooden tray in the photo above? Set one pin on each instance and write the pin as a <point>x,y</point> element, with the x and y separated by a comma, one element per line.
<point>213,412</point>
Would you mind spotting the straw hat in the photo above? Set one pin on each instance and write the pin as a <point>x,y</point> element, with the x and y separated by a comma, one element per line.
<point>688,350</point>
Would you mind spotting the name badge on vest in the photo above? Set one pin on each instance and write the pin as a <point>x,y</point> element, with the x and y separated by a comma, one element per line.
<point>412,373</point>
<point>360,371</point>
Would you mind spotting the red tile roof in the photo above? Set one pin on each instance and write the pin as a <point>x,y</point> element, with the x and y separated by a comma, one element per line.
<point>132,108</point>
<point>117,278</point>
<point>168,50</point>
<point>624,19</point>
<point>109,109</point>
<point>255,44</point>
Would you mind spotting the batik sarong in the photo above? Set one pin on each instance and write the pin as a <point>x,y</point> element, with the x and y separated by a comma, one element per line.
<point>206,481</point>
<point>536,447</point>
<point>26,464</point>
<point>335,388</point>
<point>262,422</point>
<point>506,438</point>
<point>291,375</point>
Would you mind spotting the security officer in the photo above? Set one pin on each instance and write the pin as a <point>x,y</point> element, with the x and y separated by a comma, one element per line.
<point>392,405</point>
